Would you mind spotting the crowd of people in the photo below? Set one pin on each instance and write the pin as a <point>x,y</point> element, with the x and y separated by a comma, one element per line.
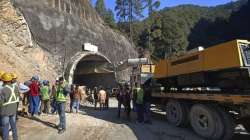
<point>36,97</point>
<point>41,97</point>
<point>99,95</point>
<point>140,96</point>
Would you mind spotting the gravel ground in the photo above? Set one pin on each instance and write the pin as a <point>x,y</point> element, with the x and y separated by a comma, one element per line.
<point>93,124</point>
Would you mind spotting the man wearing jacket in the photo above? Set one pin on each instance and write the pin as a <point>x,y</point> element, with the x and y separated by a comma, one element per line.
<point>61,98</point>
<point>34,98</point>
<point>45,96</point>
<point>8,107</point>
<point>138,98</point>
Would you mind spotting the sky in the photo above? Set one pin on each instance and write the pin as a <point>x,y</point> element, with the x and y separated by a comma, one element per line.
<point>170,3</point>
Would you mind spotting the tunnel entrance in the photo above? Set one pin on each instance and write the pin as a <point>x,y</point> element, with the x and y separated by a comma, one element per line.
<point>94,70</point>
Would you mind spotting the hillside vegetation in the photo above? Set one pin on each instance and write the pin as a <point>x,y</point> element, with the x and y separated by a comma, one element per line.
<point>175,30</point>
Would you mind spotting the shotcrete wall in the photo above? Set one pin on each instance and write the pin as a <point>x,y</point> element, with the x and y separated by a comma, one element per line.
<point>61,27</point>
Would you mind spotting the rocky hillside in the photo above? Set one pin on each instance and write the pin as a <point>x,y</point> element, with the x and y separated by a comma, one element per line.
<point>42,36</point>
<point>18,52</point>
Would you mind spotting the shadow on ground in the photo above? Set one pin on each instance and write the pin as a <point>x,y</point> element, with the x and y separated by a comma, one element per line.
<point>46,123</point>
<point>159,130</point>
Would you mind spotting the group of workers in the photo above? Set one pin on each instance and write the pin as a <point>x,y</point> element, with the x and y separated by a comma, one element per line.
<point>35,95</point>
<point>140,96</point>
<point>99,95</point>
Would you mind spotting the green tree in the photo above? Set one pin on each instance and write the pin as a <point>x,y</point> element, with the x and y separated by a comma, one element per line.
<point>100,8</point>
<point>172,31</point>
<point>137,9</point>
<point>129,11</point>
<point>106,14</point>
<point>152,5</point>
<point>152,27</point>
<point>109,18</point>
<point>122,10</point>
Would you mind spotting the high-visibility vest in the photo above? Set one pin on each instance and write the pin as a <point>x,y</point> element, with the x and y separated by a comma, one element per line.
<point>140,95</point>
<point>13,98</point>
<point>45,92</point>
<point>15,85</point>
<point>60,97</point>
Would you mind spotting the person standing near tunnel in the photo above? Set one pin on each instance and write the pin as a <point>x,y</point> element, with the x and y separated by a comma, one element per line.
<point>71,95</point>
<point>34,98</point>
<point>138,98</point>
<point>77,98</point>
<point>127,100</point>
<point>53,96</point>
<point>61,94</point>
<point>119,99</point>
<point>95,96</point>
<point>45,95</point>
<point>147,103</point>
<point>102,97</point>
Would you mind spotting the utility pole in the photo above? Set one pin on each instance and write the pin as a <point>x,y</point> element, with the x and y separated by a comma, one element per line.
<point>149,37</point>
<point>130,20</point>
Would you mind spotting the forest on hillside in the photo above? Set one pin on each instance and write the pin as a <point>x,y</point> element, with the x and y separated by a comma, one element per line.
<point>174,30</point>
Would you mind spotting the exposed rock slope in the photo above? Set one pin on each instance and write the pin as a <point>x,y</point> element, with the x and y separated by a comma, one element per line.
<point>41,36</point>
<point>18,53</point>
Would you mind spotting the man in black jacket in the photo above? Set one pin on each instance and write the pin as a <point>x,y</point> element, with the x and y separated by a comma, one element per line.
<point>147,104</point>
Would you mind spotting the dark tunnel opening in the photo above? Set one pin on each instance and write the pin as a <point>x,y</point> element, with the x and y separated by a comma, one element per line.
<point>94,71</point>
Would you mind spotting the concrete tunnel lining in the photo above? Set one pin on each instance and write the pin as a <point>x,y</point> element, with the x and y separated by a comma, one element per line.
<point>82,58</point>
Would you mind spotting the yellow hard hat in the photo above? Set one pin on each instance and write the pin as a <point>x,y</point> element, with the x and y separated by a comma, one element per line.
<point>1,73</point>
<point>14,75</point>
<point>6,77</point>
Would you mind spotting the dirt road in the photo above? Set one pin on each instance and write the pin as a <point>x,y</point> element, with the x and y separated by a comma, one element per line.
<point>93,124</point>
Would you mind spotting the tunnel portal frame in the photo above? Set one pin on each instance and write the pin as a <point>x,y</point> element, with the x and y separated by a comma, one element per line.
<point>74,61</point>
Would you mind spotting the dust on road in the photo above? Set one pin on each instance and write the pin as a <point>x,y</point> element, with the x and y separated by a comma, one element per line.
<point>93,124</point>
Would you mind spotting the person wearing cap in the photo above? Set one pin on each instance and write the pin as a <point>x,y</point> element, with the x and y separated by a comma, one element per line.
<point>61,94</point>
<point>34,97</point>
<point>8,107</point>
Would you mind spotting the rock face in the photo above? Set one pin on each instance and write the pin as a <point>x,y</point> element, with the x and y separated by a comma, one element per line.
<point>55,31</point>
<point>18,53</point>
